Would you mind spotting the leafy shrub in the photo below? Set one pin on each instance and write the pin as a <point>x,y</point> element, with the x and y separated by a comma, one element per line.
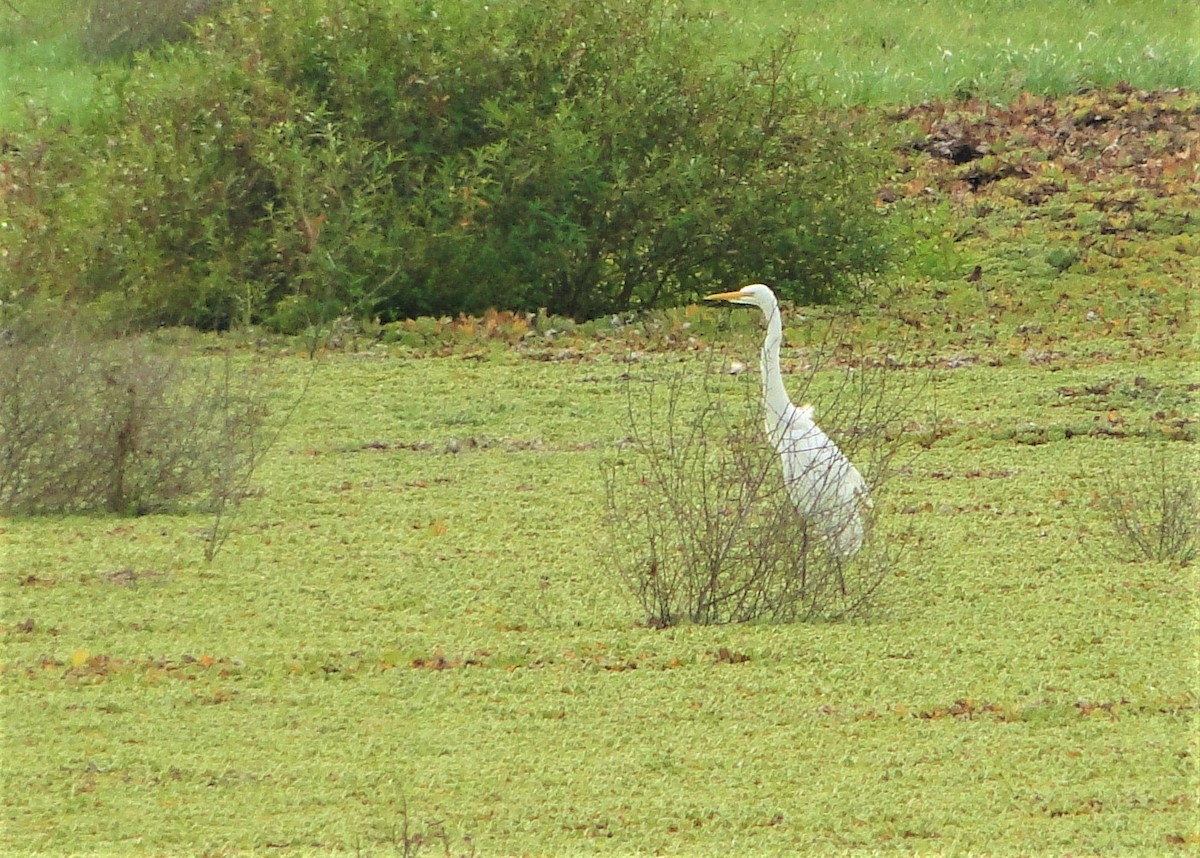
<point>118,426</point>
<point>389,159</point>
<point>120,27</point>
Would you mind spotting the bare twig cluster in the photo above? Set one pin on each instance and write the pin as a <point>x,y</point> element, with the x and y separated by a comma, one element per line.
<point>702,527</point>
<point>406,839</point>
<point>1155,513</point>
<point>123,427</point>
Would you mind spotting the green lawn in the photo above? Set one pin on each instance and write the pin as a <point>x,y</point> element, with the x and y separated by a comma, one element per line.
<point>1014,691</point>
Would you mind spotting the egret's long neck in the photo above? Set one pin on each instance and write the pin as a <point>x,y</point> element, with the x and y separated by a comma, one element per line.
<point>774,395</point>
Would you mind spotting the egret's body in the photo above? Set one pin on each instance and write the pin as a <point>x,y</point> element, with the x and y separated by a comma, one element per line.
<point>822,483</point>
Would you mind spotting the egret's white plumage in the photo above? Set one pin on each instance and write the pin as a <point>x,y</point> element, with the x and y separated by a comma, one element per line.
<point>823,484</point>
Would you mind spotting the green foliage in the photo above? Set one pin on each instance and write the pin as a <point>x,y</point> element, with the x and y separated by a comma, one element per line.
<point>388,159</point>
<point>117,28</point>
<point>1061,258</point>
<point>881,52</point>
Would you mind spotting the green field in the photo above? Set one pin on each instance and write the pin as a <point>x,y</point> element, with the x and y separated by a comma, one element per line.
<point>906,52</point>
<point>1013,692</point>
<point>405,650</point>
<point>896,52</point>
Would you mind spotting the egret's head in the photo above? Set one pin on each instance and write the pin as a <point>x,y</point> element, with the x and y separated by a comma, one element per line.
<point>756,295</point>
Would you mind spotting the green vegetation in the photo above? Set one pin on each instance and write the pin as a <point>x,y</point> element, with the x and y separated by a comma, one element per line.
<point>288,165</point>
<point>324,158</point>
<point>41,63</point>
<point>395,630</point>
<point>395,623</point>
<point>895,51</point>
<point>412,629</point>
<point>902,52</point>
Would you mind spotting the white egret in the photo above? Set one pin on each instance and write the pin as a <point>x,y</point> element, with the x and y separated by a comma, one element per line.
<point>823,484</point>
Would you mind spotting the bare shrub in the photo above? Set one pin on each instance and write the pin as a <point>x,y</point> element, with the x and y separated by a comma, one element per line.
<point>1154,513</point>
<point>409,839</point>
<point>702,528</point>
<point>125,427</point>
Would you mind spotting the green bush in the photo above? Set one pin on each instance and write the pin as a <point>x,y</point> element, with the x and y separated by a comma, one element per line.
<point>120,27</point>
<point>394,159</point>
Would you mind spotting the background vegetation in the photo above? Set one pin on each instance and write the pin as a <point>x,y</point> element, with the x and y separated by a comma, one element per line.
<point>911,52</point>
<point>386,160</point>
<point>901,53</point>
<point>411,630</point>
<point>316,158</point>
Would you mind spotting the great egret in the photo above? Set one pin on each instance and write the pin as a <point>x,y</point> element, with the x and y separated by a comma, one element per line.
<point>823,484</point>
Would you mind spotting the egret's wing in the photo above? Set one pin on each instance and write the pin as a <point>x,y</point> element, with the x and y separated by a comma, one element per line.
<point>822,483</point>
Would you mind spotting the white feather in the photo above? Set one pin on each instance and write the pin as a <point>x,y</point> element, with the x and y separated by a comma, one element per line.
<point>822,483</point>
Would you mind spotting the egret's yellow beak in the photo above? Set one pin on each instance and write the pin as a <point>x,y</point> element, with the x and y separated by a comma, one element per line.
<point>725,296</point>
